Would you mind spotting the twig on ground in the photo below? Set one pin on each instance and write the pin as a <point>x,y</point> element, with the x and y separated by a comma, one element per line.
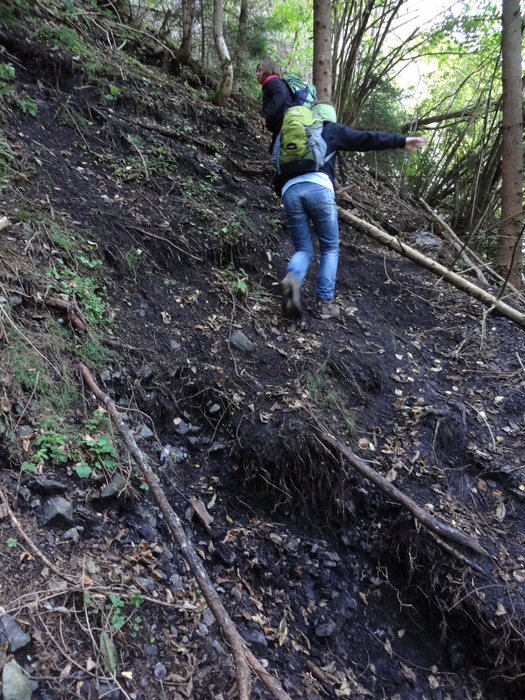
<point>244,659</point>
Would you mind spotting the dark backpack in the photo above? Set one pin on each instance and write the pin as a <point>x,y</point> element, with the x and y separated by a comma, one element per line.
<point>299,147</point>
<point>302,93</point>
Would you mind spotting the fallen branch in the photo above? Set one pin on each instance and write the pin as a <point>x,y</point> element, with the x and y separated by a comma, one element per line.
<point>458,281</point>
<point>244,659</point>
<point>433,524</point>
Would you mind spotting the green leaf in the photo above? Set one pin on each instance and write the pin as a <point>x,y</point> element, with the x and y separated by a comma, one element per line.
<point>29,467</point>
<point>109,652</point>
<point>82,470</point>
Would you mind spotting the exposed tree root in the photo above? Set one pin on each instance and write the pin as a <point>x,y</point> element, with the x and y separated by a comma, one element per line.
<point>244,659</point>
<point>433,524</point>
<point>73,312</point>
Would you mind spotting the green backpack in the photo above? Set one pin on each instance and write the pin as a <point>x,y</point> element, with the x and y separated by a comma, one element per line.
<point>299,147</point>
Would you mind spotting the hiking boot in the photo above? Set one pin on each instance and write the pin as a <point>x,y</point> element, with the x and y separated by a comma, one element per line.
<point>327,309</point>
<point>291,290</point>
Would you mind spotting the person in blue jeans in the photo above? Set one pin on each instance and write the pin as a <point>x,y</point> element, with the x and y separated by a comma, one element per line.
<point>309,201</point>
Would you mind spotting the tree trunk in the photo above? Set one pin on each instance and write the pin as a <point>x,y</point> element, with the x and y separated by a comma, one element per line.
<point>224,55</point>
<point>240,46</point>
<point>322,69</point>
<point>510,245</point>
<point>188,15</point>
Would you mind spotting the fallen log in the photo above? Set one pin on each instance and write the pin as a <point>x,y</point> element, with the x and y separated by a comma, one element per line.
<point>429,521</point>
<point>243,657</point>
<point>471,289</point>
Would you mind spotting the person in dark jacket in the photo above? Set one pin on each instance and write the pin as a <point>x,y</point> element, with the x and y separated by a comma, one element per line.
<point>276,97</point>
<point>309,200</point>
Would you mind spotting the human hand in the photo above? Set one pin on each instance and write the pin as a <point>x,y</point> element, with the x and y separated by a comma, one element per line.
<point>412,143</point>
<point>263,121</point>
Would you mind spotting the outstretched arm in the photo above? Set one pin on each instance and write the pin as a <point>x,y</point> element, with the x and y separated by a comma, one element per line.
<point>412,143</point>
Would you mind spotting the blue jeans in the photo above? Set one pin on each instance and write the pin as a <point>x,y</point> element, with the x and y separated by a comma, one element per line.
<point>307,203</point>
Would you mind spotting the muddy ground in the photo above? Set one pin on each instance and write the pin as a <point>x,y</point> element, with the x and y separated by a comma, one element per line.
<point>336,587</point>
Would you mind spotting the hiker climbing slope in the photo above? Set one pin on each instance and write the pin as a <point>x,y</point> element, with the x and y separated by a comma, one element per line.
<point>276,97</point>
<point>304,159</point>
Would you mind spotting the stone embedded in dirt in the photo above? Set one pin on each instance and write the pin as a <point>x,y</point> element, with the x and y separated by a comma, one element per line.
<point>48,487</point>
<point>15,684</point>
<point>72,535</point>
<point>225,554</point>
<point>183,428</point>
<point>58,512</point>
<point>15,301</point>
<point>144,432</point>
<point>241,342</point>
<point>160,671</point>
<point>425,239</point>
<point>326,629</point>
<point>15,635</point>
<point>216,447</point>
<point>115,486</point>
<point>253,636</point>
<point>145,372</point>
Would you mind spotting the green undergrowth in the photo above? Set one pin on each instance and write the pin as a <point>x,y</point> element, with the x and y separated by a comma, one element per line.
<point>40,386</point>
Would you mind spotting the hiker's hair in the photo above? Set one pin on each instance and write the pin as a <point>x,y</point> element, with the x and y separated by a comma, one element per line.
<point>268,68</point>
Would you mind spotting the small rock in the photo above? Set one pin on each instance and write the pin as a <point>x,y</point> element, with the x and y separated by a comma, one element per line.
<point>145,372</point>
<point>219,648</point>
<point>58,512</point>
<point>48,487</point>
<point>208,618</point>
<point>169,455</point>
<point>16,637</point>
<point>106,375</point>
<point>160,671</point>
<point>115,486</point>
<point>255,638</point>
<point>183,428</point>
<point>15,300</point>
<point>15,684</point>
<point>216,447</point>
<point>72,535</point>
<point>241,342</point>
<point>325,629</point>
<point>226,555</point>
<point>143,431</point>
<point>425,239</point>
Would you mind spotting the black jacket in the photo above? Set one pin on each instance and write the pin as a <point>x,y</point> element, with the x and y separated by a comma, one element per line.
<point>341,138</point>
<point>276,99</point>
